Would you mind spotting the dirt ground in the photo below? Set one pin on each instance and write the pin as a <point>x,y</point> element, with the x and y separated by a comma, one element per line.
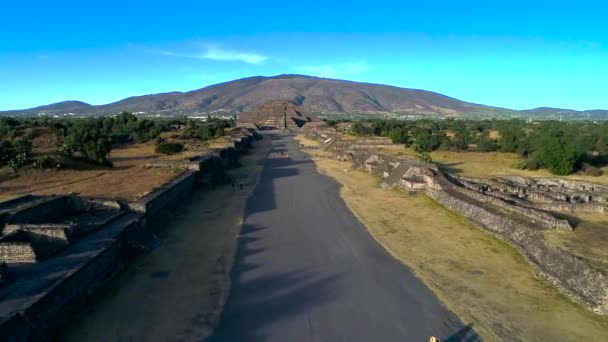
<point>176,292</point>
<point>481,279</point>
<point>129,179</point>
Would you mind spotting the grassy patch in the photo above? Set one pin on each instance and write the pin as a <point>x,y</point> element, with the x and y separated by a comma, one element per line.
<point>483,280</point>
<point>588,241</point>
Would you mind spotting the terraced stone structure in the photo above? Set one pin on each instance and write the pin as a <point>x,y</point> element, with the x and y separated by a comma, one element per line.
<point>36,229</point>
<point>514,209</point>
<point>277,114</point>
<point>56,251</point>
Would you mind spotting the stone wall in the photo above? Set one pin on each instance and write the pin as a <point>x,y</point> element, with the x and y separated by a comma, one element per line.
<point>60,302</point>
<point>573,207</point>
<point>166,195</point>
<point>572,276</point>
<point>537,219</point>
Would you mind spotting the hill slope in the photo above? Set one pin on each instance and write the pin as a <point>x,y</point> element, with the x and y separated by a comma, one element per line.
<point>319,95</point>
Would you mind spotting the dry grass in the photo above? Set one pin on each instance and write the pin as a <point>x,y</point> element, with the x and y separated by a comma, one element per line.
<point>129,179</point>
<point>483,280</point>
<point>307,142</point>
<point>588,241</point>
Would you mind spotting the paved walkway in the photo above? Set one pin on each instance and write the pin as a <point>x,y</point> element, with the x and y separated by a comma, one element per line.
<point>307,270</point>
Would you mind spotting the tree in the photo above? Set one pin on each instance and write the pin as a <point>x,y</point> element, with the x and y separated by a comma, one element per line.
<point>461,139</point>
<point>399,135</point>
<point>87,138</point>
<point>426,140</point>
<point>485,144</point>
<point>360,129</point>
<point>510,138</point>
<point>555,152</point>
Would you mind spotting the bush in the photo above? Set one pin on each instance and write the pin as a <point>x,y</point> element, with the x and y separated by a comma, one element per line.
<point>6,152</point>
<point>590,170</point>
<point>486,144</point>
<point>15,154</point>
<point>425,157</point>
<point>361,129</point>
<point>169,148</point>
<point>520,164</point>
<point>46,162</point>
<point>532,164</point>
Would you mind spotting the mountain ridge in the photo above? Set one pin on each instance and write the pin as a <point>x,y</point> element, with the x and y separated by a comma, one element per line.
<point>320,95</point>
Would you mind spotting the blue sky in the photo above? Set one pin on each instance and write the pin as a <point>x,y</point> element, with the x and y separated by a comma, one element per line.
<point>512,54</point>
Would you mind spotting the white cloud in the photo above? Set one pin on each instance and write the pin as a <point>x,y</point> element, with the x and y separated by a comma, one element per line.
<point>335,70</point>
<point>227,55</point>
<point>219,54</point>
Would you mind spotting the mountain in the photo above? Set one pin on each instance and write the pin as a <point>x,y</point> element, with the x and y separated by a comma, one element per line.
<point>319,95</point>
<point>62,107</point>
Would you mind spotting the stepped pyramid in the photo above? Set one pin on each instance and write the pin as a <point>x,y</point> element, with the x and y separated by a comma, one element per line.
<point>277,114</point>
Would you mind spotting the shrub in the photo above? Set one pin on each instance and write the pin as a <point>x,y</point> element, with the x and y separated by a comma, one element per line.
<point>15,154</point>
<point>520,164</point>
<point>486,144</point>
<point>6,152</point>
<point>18,161</point>
<point>425,157</point>
<point>531,164</point>
<point>590,170</point>
<point>361,129</point>
<point>46,162</point>
<point>169,148</point>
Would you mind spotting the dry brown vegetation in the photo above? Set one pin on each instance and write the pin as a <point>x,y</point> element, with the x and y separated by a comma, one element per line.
<point>588,241</point>
<point>129,179</point>
<point>483,280</point>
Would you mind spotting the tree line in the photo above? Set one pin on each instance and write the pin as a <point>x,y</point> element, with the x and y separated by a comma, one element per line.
<point>560,147</point>
<point>92,139</point>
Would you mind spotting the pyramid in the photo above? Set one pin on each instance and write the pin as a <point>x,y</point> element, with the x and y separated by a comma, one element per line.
<point>277,114</point>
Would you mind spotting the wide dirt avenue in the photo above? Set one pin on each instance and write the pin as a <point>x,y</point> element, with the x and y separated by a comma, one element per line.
<point>307,270</point>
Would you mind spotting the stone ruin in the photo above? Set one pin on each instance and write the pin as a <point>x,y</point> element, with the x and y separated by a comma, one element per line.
<point>237,140</point>
<point>56,251</point>
<point>514,209</point>
<point>544,193</point>
<point>34,228</point>
<point>277,114</point>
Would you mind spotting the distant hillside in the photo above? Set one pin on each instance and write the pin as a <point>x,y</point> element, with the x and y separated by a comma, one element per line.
<point>319,95</point>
